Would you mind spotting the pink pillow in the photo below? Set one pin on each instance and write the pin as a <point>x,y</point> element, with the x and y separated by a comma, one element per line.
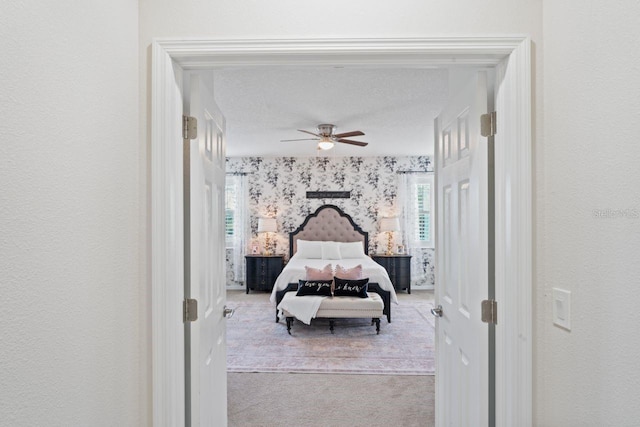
<point>319,274</point>
<point>349,273</point>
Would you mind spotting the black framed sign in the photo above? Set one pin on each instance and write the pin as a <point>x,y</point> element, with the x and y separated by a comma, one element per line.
<point>328,194</point>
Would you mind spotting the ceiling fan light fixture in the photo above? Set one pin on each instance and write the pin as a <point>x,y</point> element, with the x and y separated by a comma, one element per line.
<point>325,145</point>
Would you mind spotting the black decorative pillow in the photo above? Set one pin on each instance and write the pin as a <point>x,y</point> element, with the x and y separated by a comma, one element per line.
<point>350,287</point>
<point>320,288</point>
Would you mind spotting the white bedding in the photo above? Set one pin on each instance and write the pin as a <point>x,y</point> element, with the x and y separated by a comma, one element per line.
<point>294,271</point>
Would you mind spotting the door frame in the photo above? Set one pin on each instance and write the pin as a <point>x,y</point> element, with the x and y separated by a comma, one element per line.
<point>511,57</point>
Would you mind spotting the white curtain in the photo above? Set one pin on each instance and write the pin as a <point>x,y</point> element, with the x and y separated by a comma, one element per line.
<point>407,199</point>
<point>241,226</point>
<point>408,218</point>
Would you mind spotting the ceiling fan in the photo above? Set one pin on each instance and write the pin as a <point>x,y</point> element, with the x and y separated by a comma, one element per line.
<point>327,138</point>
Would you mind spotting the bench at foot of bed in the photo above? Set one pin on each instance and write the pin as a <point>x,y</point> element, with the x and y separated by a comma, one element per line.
<point>374,289</point>
<point>333,308</point>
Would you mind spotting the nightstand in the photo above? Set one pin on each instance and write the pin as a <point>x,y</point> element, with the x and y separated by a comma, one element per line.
<point>398,267</point>
<point>262,271</point>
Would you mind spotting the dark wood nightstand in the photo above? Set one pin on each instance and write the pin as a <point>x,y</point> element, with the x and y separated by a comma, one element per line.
<point>398,267</point>
<point>262,271</point>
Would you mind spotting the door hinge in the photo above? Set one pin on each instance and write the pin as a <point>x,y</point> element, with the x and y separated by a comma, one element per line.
<point>490,311</point>
<point>488,124</point>
<point>189,127</point>
<point>189,310</point>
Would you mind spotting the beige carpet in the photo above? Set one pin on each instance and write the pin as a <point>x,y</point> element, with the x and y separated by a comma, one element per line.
<point>330,400</point>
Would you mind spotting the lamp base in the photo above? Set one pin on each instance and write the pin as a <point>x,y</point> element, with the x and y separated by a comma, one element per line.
<point>389,243</point>
<point>267,245</point>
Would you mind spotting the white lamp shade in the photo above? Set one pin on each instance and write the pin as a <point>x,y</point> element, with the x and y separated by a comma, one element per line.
<point>267,224</point>
<point>390,224</point>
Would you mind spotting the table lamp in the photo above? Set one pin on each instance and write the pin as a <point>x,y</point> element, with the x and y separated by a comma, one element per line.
<point>389,225</point>
<point>267,225</point>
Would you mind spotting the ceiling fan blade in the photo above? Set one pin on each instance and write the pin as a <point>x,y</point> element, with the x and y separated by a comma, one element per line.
<point>303,139</point>
<point>348,141</point>
<point>348,134</point>
<point>310,133</point>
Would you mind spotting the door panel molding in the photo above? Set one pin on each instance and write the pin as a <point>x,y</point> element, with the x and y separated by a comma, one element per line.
<point>465,233</point>
<point>511,55</point>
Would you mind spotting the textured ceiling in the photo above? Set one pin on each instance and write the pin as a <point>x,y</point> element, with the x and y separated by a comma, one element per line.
<point>395,109</point>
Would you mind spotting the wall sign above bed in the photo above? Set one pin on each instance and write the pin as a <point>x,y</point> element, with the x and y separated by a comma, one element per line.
<point>328,194</point>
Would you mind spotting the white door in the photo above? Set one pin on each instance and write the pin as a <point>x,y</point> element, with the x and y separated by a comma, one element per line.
<point>206,337</point>
<point>462,248</point>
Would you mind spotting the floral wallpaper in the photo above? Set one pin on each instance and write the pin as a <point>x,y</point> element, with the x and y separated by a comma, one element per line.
<point>278,186</point>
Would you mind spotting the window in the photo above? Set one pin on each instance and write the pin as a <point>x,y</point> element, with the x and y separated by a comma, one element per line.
<point>424,211</point>
<point>229,210</point>
<point>236,225</point>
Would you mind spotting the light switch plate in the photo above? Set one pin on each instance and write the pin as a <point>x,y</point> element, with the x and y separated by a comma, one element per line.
<point>562,308</point>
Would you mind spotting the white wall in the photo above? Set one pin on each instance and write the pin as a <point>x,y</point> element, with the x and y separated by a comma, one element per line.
<point>74,183</point>
<point>590,161</point>
<point>71,343</point>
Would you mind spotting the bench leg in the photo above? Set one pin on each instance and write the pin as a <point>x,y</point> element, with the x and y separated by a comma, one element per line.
<point>377,326</point>
<point>289,321</point>
<point>331,324</point>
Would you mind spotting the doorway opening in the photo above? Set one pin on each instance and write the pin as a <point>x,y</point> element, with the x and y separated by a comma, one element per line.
<point>510,56</point>
<point>396,108</point>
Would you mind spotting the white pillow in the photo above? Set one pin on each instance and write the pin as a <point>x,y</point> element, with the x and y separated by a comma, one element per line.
<point>309,249</point>
<point>331,250</point>
<point>352,250</point>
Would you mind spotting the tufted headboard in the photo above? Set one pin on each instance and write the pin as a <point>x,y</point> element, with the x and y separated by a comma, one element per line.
<point>328,223</point>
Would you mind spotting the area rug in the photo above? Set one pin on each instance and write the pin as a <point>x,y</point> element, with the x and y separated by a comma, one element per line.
<point>255,343</point>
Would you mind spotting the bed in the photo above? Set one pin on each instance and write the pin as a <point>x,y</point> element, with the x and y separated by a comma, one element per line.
<point>330,224</point>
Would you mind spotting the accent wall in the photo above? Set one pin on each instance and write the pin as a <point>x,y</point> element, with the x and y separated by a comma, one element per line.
<point>278,186</point>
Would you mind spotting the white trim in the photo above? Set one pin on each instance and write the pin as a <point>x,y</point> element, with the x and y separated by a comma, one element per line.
<point>513,185</point>
<point>167,262</point>
<point>207,53</point>
<point>514,242</point>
